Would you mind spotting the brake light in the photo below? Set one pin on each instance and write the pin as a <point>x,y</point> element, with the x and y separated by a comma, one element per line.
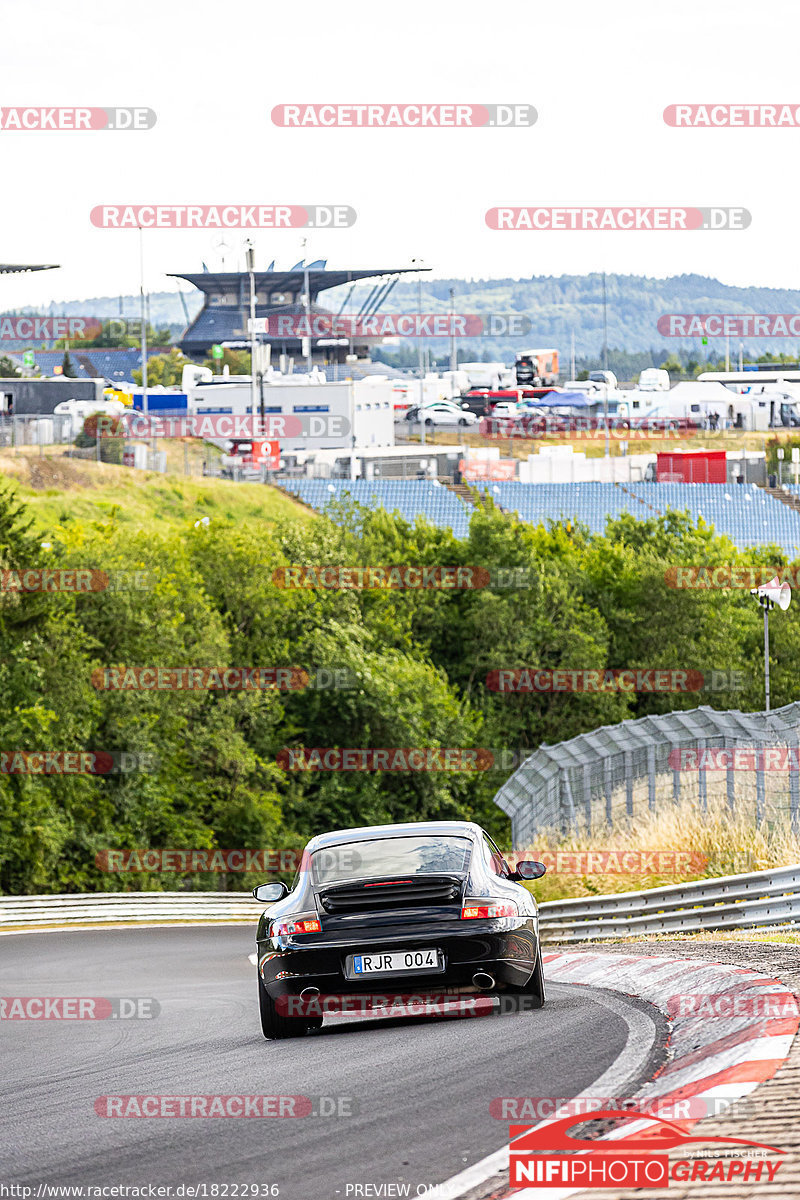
<point>475,910</point>
<point>306,923</point>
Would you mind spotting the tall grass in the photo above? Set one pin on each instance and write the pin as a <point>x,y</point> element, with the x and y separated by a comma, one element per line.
<point>730,844</point>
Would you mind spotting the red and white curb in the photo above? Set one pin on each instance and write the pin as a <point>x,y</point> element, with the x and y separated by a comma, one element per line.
<point>720,1052</point>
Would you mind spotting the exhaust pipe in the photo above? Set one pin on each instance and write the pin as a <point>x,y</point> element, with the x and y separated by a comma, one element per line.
<point>309,993</point>
<point>483,981</point>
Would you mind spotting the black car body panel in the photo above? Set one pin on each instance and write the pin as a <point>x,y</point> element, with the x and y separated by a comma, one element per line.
<point>405,911</point>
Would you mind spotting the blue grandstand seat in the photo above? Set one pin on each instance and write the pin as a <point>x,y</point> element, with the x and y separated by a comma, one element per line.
<point>748,516</point>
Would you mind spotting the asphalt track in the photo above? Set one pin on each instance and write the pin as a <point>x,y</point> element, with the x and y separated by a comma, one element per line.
<point>418,1089</point>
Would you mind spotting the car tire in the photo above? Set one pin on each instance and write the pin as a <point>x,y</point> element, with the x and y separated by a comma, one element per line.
<point>429,422</point>
<point>273,1025</point>
<point>463,421</point>
<point>534,990</point>
<point>536,986</point>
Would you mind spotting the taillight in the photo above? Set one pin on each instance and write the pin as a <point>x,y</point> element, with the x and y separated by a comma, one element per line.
<point>305,923</point>
<point>475,910</point>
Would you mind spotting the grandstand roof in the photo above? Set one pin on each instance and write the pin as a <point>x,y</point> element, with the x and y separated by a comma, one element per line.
<point>94,362</point>
<point>15,268</point>
<point>287,281</point>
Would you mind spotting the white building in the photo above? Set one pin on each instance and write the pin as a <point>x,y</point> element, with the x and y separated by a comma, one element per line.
<point>366,405</point>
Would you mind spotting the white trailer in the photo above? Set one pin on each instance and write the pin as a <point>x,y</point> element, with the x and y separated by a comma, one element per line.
<point>700,401</point>
<point>654,379</point>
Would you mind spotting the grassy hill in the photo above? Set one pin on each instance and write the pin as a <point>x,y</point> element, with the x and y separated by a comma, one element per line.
<point>59,489</point>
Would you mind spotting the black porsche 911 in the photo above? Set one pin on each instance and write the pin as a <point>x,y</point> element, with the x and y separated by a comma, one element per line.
<point>427,905</point>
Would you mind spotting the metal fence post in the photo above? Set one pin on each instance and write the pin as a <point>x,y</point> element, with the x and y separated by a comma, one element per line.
<point>730,785</point>
<point>651,778</point>
<point>587,796</point>
<point>628,767</point>
<point>607,787</point>
<point>567,805</point>
<point>760,789</point>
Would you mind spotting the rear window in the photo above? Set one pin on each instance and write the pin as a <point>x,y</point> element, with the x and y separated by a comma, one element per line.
<point>391,856</point>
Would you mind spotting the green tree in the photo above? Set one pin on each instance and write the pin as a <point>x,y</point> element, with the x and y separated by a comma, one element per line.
<point>9,369</point>
<point>672,364</point>
<point>163,370</point>
<point>237,362</point>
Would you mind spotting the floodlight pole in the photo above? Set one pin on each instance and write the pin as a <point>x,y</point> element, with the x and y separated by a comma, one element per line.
<point>251,269</point>
<point>766,655</point>
<point>421,356</point>
<point>144,322</point>
<point>768,595</point>
<point>766,605</point>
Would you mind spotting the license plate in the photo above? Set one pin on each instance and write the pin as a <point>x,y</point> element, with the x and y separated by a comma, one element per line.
<point>382,962</point>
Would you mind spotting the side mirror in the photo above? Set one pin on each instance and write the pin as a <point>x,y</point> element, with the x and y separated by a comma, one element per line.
<point>267,893</point>
<point>530,870</point>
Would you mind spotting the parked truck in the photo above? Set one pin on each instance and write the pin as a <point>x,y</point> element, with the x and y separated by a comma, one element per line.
<point>537,368</point>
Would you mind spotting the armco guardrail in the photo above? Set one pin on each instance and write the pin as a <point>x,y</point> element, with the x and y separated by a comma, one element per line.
<point>117,908</point>
<point>765,899</point>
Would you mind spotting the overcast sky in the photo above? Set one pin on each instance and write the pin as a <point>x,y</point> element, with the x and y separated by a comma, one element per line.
<point>599,75</point>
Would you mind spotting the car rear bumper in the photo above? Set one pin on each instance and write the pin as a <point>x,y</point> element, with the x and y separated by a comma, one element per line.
<point>508,956</point>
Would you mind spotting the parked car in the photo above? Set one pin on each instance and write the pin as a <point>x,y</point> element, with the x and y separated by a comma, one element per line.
<point>505,408</point>
<point>413,413</point>
<point>445,412</point>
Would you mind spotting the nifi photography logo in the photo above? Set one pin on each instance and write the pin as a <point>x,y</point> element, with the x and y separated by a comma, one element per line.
<point>549,1156</point>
